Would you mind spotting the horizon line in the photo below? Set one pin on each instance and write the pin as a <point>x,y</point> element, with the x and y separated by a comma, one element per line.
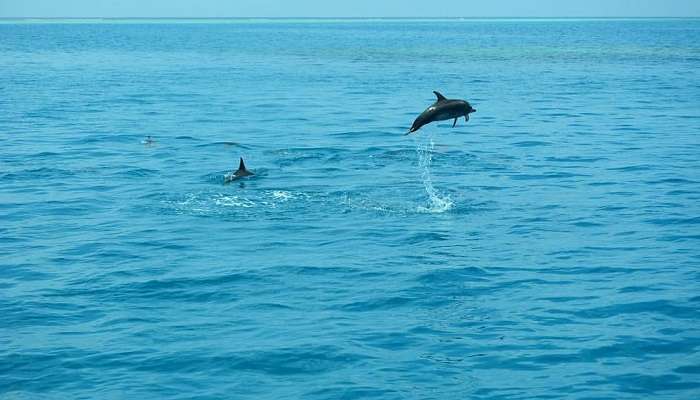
<point>369,17</point>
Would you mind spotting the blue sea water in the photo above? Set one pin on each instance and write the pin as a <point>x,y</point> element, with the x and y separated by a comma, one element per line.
<point>547,249</point>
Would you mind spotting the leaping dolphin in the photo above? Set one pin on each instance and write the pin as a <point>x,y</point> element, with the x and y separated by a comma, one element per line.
<point>240,173</point>
<point>443,109</point>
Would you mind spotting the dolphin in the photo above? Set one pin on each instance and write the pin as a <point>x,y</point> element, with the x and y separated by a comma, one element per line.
<point>443,109</point>
<point>240,173</point>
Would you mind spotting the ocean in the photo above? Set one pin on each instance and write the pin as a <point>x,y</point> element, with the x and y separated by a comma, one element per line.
<point>547,249</point>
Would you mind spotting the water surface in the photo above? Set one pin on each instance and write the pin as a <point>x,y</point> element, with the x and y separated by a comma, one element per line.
<point>546,249</point>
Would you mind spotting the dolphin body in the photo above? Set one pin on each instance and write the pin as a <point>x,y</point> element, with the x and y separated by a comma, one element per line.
<point>240,173</point>
<point>443,109</point>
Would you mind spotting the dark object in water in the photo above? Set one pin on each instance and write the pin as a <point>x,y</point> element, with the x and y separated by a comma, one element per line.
<point>443,109</point>
<point>240,173</point>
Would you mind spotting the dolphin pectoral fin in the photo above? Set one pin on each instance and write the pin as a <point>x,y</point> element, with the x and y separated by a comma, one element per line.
<point>466,118</point>
<point>454,123</point>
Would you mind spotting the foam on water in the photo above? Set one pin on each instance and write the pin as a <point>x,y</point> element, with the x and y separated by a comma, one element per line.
<point>233,201</point>
<point>282,195</point>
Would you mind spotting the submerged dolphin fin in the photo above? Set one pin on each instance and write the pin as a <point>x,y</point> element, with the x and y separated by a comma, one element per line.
<point>440,97</point>
<point>242,171</point>
<point>466,117</point>
<point>454,123</point>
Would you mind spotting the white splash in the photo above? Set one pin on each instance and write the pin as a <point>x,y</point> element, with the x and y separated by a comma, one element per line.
<point>282,195</point>
<point>437,203</point>
<point>233,201</point>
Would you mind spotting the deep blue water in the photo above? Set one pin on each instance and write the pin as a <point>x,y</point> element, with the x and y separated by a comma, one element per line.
<point>547,249</point>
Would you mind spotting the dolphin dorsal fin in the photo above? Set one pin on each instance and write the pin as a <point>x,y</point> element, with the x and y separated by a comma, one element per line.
<point>241,166</point>
<point>439,95</point>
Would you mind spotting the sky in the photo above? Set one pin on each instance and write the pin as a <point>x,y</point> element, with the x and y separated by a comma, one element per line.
<point>348,8</point>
